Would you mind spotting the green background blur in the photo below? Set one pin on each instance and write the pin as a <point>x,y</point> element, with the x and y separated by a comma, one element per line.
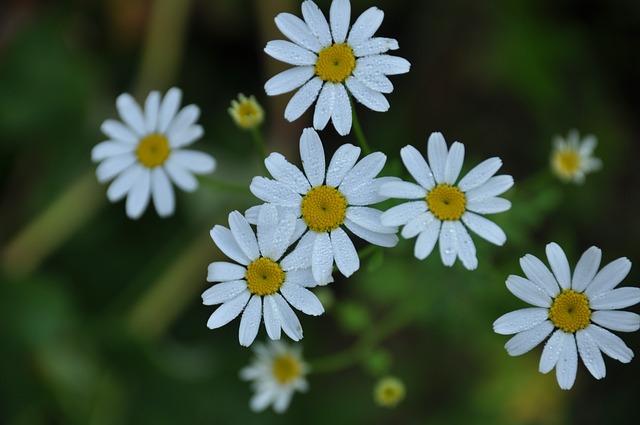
<point>101,319</point>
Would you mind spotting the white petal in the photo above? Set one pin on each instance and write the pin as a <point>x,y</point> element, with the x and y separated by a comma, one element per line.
<point>369,218</point>
<point>341,163</point>
<point>372,99</point>
<point>610,344</point>
<point>301,277</point>
<point>368,194</point>
<point>586,269</point>
<point>403,213</point>
<point>289,321</point>
<point>312,156</point>
<point>403,190</point>
<point>590,354</point>
<point>287,173</point>
<point>274,192</point>
<point>228,311</point>
<point>139,194</point>
<point>344,253</point>
<point>453,165</point>
<point>266,224</point>
<point>250,321</point>
<point>615,298</point>
<point>339,17</point>
<point>495,186</point>
<point>297,31</point>
<point>288,80</point>
<point>381,239</point>
<point>362,173</point>
<point>437,153</point>
<point>288,52</point>
<point>480,174</point>
<point>118,132</point>
<point>303,98</point>
<point>551,352</point>
<point>185,137</point>
<point>488,205</point>
<point>484,228</point>
<point>130,113</point>
<point>622,321</point>
<point>180,176</point>
<point>317,22</point>
<point>365,26</point>
<point>567,365</point>
<point>324,106</point>
<point>163,196</point>
<point>244,235</point>
<point>151,109</point>
<point>385,64</point>
<point>527,291</point>
<point>302,299</point>
<point>195,161</point>
<point>539,274</point>
<point>418,224</point>
<point>271,316</point>
<point>448,243</point>
<point>124,182</point>
<point>111,167</point>
<point>301,256</point>
<point>223,238</point>
<point>322,258</point>
<point>341,115</point>
<point>526,340</point>
<point>466,247</point>
<point>427,239</point>
<point>609,277</point>
<point>168,108</point>
<point>110,149</point>
<point>184,119</point>
<point>374,46</point>
<point>417,167</point>
<point>222,271</point>
<point>520,320</point>
<point>280,239</point>
<point>373,79</point>
<point>223,292</point>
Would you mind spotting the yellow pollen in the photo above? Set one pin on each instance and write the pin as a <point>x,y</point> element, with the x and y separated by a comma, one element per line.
<point>335,63</point>
<point>324,208</point>
<point>264,276</point>
<point>566,162</point>
<point>153,150</point>
<point>570,311</point>
<point>286,368</point>
<point>446,202</point>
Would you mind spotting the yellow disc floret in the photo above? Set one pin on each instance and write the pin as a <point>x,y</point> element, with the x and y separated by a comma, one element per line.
<point>264,276</point>
<point>446,202</point>
<point>570,311</point>
<point>389,391</point>
<point>324,208</point>
<point>246,112</point>
<point>335,63</point>
<point>286,368</point>
<point>566,162</point>
<point>153,150</point>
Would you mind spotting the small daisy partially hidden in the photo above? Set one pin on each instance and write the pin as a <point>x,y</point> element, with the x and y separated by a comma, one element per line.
<point>572,158</point>
<point>441,209</point>
<point>277,371</point>
<point>389,391</point>
<point>573,311</point>
<point>145,154</point>
<point>331,64</point>
<point>261,285</point>
<point>325,201</point>
<point>246,112</point>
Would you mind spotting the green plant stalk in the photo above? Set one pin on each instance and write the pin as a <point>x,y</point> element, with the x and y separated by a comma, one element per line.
<point>357,129</point>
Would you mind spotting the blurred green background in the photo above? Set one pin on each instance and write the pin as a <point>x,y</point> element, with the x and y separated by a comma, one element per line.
<point>101,319</point>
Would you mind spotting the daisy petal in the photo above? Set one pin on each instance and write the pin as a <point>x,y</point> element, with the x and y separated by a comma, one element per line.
<point>300,257</point>
<point>369,218</point>
<point>317,22</point>
<point>480,174</point>
<point>426,240</point>
<point>615,298</point>
<point>488,205</point>
<point>303,98</point>
<point>437,153</point>
<point>341,113</point>
<point>495,186</point>
<point>228,311</point>
<point>223,238</point>
<point>131,113</point>
<point>112,166</point>
<point>244,235</point>
<point>291,53</point>
<point>622,321</point>
<point>520,320</point>
<point>381,239</point>
<point>403,190</point>
<point>297,31</point>
<point>180,176</point>
<point>223,292</point>
<point>559,265</point>
<point>290,322</point>
<point>162,192</point>
<point>138,196</point>
<point>275,192</point>
<point>312,156</point>
<point>539,274</point>
<point>339,16</point>
<point>151,109</point>
<point>373,79</point>
<point>302,299</point>
<point>183,120</point>
<point>403,213</point>
<point>168,108</point>
<point>375,46</point>
<point>567,366</point>
<point>324,106</point>
<point>590,354</point>
<point>453,165</point>
<point>265,228</point>
<point>287,173</point>
<point>528,291</point>
<point>448,243</point>
<point>362,173</point>
<point>586,269</point>
<point>322,258</point>
<point>551,352</point>
<point>418,224</point>
<point>484,228</point>
<point>344,253</point>
<point>124,182</point>
<point>271,317</point>
<point>527,340</point>
<point>384,64</point>
<point>417,167</point>
<point>466,247</point>
<point>365,26</point>
<point>117,132</point>
<point>222,271</point>
<point>288,80</point>
<point>250,321</point>
<point>609,277</point>
<point>195,161</point>
<point>341,163</point>
<point>610,344</point>
<point>372,99</point>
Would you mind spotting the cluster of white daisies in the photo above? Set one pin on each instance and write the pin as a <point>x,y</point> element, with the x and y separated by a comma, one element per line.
<point>309,214</point>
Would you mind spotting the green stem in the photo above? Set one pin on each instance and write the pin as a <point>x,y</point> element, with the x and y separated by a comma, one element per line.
<point>258,141</point>
<point>224,186</point>
<point>357,129</point>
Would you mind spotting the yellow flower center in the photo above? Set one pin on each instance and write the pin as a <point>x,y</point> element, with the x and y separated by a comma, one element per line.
<point>153,150</point>
<point>389,391</point>
<point>324,208</point>
<point>335,63</point>
<point>264,276</point>
<point>566,162</point>
<point>446,202</point>
<point>246,112</point>
<point>570,311</point>
<point>286,368</point>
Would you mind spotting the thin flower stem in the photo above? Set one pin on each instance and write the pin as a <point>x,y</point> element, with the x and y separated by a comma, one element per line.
<point>258,140</point>
<point>357,129</point>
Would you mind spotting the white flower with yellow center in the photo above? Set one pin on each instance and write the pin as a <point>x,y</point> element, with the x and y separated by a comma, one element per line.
<point>441,208</point>
<point>145,153</point>
<point>573,311</point>
<point>572,158</point>
<point>330,60</point>
<point>389,391</point>
<point>277,371</point>
<point>261,285</point>
<point>246,112</point>
<point>324,202</point>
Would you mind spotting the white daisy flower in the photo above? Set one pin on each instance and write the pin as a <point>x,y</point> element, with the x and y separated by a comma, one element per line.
<point>572,158</point>
<point>573,311</point>
<point>324,202</point>
<point>261,285</point>
<point>144,153</point>
<point>441,209</point>
<point>277,371</point>
<point>331,64</point>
